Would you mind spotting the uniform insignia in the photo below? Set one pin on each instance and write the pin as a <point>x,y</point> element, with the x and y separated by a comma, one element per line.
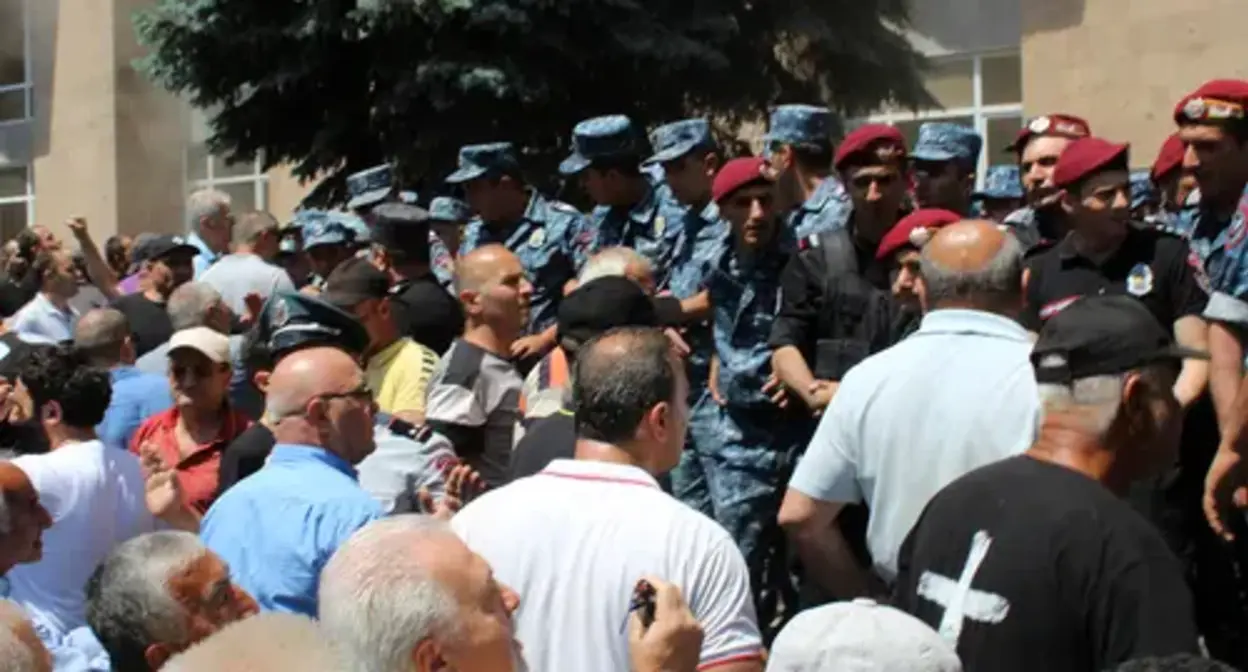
<point>1039,124</point>
<point>1195,108</point>
<point>660,225</point>
<point>920,235</point>
<point>1140,280</point>
<point>537,238</point>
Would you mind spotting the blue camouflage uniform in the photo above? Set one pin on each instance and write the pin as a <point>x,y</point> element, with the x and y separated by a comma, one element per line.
<point>374,186</point>
<point>319,227</point>
<point>445,209</point>
<point>829,207</point>
<point>1143,191</point>
<point>1221,248</point>
<point>941,141</point>
<point>652,226</point>
<point>544,239</point>
<point>1001,182</point>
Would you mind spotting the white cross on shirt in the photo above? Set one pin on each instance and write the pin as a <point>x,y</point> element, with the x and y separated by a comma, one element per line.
<point>959,599</point>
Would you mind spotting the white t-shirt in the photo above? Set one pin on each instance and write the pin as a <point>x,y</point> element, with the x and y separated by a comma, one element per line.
<point>237,275</point>
<point>573,540</point>
<point>95,496</point>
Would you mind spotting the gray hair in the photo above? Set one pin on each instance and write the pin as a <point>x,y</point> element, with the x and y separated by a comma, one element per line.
<point>191,304</point>
<point>250,226</point>
<point>128,602</point>
<point>204,203</point>
<point>16,655</point>
<point>268,641</point>
<point>100,334</point>
<point>1098,396</point>
<point>377,602</point>
<point>612,262</point>
<point>1001,278</point>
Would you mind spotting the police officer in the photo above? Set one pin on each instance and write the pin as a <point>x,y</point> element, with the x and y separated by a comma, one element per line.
<point>1144,197</point>
<point>798,147</point>
<point>327,242</point>
<point>447,219</point>
<point>1175,187</point>
<point>379,185</point>
<point>836,307</point>
<point>945,159</point>
<point>1038,144</point>
<point>629,210</point>
<point>541,231</point>
<point>1002,193</point>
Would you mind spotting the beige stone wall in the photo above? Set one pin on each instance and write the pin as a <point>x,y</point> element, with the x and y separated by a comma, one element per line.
<point>1122,64</point>
<point>285,193</point>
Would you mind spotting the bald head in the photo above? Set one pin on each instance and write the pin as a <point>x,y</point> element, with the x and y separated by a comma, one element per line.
<point>306,374</point>
<point>482,266</point>
<point>973,264</point>
<point>101,333</point>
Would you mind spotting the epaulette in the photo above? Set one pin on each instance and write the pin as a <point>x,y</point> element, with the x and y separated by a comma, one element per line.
<point>808,243</point>
<point>420,433</point>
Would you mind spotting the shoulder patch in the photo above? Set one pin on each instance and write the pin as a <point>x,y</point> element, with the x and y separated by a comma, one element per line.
<point>809,242</point>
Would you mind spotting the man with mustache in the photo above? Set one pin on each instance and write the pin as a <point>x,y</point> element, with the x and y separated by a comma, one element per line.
<point>1040,224</point>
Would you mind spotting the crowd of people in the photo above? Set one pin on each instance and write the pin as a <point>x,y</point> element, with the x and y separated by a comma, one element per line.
<point>827,408</point>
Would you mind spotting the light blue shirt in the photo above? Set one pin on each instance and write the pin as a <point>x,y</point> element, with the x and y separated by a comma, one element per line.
<point>137,396</point>
<point>957,394</point>
<point>206,256</point>
<point>277,528</point>
<point>41,322</point>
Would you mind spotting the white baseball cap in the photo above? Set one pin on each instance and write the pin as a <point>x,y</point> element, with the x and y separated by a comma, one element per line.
<point>212,344</point>
<point>860,636</point>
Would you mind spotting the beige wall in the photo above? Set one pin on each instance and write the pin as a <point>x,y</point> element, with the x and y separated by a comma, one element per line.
<point>1122,64</point>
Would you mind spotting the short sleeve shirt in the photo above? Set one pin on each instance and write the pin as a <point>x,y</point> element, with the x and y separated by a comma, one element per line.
<point>399,376</point>
<point>653,227</point>
<point>198,471</point>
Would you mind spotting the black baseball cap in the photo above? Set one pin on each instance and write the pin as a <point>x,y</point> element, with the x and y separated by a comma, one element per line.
<point>353,281</point>
<point>1102,335</point>
<point>607,303</point>
<point>290,321</point>
<point>160,246</point>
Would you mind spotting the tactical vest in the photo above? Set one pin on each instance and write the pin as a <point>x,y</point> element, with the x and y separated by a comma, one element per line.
<point>856,316</point>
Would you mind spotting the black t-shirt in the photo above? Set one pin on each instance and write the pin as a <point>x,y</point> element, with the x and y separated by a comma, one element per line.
<point>13,295</point>
<point>548,439</point>
<point>149,321</point>
<point>1155,267</point>
<point>428,313</point>
<point>244,456</point>
<point>1032,566</point>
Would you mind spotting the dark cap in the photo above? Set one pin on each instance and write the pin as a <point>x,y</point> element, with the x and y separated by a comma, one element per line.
<point>607,303</point>
<point>157,247</point>
<point>353,281</point>
<point>291,320</point>
<point>1102,335</point>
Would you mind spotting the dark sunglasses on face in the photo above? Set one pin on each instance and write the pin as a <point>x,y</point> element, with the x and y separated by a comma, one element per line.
<point>360,393</point>
<point>200,370</point>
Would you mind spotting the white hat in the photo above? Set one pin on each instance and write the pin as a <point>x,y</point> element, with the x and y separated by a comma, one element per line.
<point>212,344</point>
<point>860,636</point>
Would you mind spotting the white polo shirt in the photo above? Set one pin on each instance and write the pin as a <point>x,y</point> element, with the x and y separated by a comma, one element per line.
<point>573,540</point>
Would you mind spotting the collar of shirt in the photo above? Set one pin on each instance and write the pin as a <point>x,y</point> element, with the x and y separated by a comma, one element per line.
<point>828,189</point>
<point>204,250</point>
<point>965,321</point>
<point>291,453</point>
<point>382,357</point>
<point>643,211</point>
<point>122,372</point>
<point>166,425</point>
<point>591,470</point>
<point>45,305</point>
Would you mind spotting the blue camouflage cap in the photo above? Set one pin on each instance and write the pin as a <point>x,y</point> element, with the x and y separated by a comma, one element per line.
<point>943,141</point>
<point>447,209</point>
<point>290,320</point>
<point>601,138</point>
<point>369,187</point>
<point>674,140</point>
<point>321,228</point>
<point>1143,191</point>
<point>1001,182</point>
<point>799,125</point>
<point>356,224</point>
<point>480,160</point>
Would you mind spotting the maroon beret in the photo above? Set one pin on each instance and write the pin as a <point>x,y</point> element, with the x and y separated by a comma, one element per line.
<point>867,138</point>
<point>738,173</point>
<point>915,229</point>
<point>1215,100</point>
<point>1053,125</point>
<point>1169,158</point>
<point>1086,156</point>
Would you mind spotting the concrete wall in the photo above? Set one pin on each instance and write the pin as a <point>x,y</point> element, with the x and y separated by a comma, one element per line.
<point>1123,64</point>
<point>944,27</point>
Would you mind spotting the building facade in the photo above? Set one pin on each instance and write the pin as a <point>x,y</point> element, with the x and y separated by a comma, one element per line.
<point>82,133</point>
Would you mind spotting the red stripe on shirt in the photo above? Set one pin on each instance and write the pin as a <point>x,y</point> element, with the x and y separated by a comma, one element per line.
<point>604,479</point>
<point>740,657</point>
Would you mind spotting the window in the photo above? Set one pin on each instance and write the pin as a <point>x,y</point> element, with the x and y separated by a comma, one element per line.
<point>17,201</point>
<point>246,183</point>
<point>983,91</point>
<point>15,99</point>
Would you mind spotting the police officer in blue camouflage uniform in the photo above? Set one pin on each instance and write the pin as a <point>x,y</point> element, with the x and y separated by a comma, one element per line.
<point>541,231</point>
<point>1002,193</point>
<point>1144,197</point>
<point>798,147</point>
<point>630,210</point>
<point>689,159</point>
<point>945,160</point>
<point>370,188</point>
<point>328,240</point>
<point>447,219</point>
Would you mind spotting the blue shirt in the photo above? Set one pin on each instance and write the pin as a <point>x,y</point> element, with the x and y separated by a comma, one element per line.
<point>137,396</point>
<point>704,237</point>
<point>206,256</point>
<point>39,321</point>
<point>277,528</point>
<point>828,209</point>
<point>652,227</point>
<point>545,240</point>
<point>1221,246</point>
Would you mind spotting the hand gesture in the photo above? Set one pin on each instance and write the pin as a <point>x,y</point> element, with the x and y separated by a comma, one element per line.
<point>776,390</point>
<point>78,227</point>
<point>1225,488</point>
<point>253,303</point>
<point>673,642</point>
<point>678,342</point>
<point>528,346</point>
<point>820,395</point>
<point>163,491</point>
<point>463,483</point>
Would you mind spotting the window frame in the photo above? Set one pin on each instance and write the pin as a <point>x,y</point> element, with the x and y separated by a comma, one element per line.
<point>27,198</point>
<point>26,85</point>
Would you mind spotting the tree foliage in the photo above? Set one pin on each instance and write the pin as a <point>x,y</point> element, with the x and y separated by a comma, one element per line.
<point>330,86</point>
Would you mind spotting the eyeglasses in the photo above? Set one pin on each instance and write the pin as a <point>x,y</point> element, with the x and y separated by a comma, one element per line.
<point>200,370</point>
<point>361,393</point>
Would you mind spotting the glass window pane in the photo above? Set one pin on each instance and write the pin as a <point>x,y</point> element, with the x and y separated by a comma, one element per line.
<point>197,162</point>
<point>12,42</point>
<point>1002,79</point>
<point>1001,132</point>
<point>12,105</point>
<point>952,83</point>
<point>12,182</point>
<point>242,195</point>
<point>12,219</point>
<point>222,169</point>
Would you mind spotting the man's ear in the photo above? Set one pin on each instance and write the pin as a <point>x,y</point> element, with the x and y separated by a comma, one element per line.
<point>261,380</point>
<point>51,411</point>
<point>711,164</point>
<point>1067,201</point>
<point>427,657</point>
<point>156,656</point>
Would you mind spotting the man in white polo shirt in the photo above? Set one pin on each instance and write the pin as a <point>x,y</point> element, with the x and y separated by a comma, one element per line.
<point>572,540</point>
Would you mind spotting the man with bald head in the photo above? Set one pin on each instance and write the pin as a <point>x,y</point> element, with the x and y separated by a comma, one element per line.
<point>278,527</point>
<point>957,394</point>
<point>474,395</point>
<point>22,521</point>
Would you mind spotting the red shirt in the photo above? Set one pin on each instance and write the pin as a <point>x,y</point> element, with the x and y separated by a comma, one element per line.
<point>199,471</point>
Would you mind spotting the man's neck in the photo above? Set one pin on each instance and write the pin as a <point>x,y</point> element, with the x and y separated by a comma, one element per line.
<point>632,194</point>
<point>1223,208</point>
<point>1096,252</point>
<point>243,248</point>
<point>809,183</point>
<point>64,435</point>
<point>154,295</point>
<point>516,204</point>
<point>403,272</point>
<point>381,345</point>
<point>1065,441</point>
<point>201,423</point>
<point>60,302</point>
<point>485,337</point>
<point>598,451</point>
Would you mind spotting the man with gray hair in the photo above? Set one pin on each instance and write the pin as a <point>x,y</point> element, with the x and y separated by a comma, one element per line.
<point>263,642</point>
<point>1036,562</point>
<point>20,648</point>
<point>616,262</point>
<point>404,593</point>
<point>248,269</point>
<point>209,222</point>
<point>158,594</point>
<point>103,335</point>
<point>957,394</point>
